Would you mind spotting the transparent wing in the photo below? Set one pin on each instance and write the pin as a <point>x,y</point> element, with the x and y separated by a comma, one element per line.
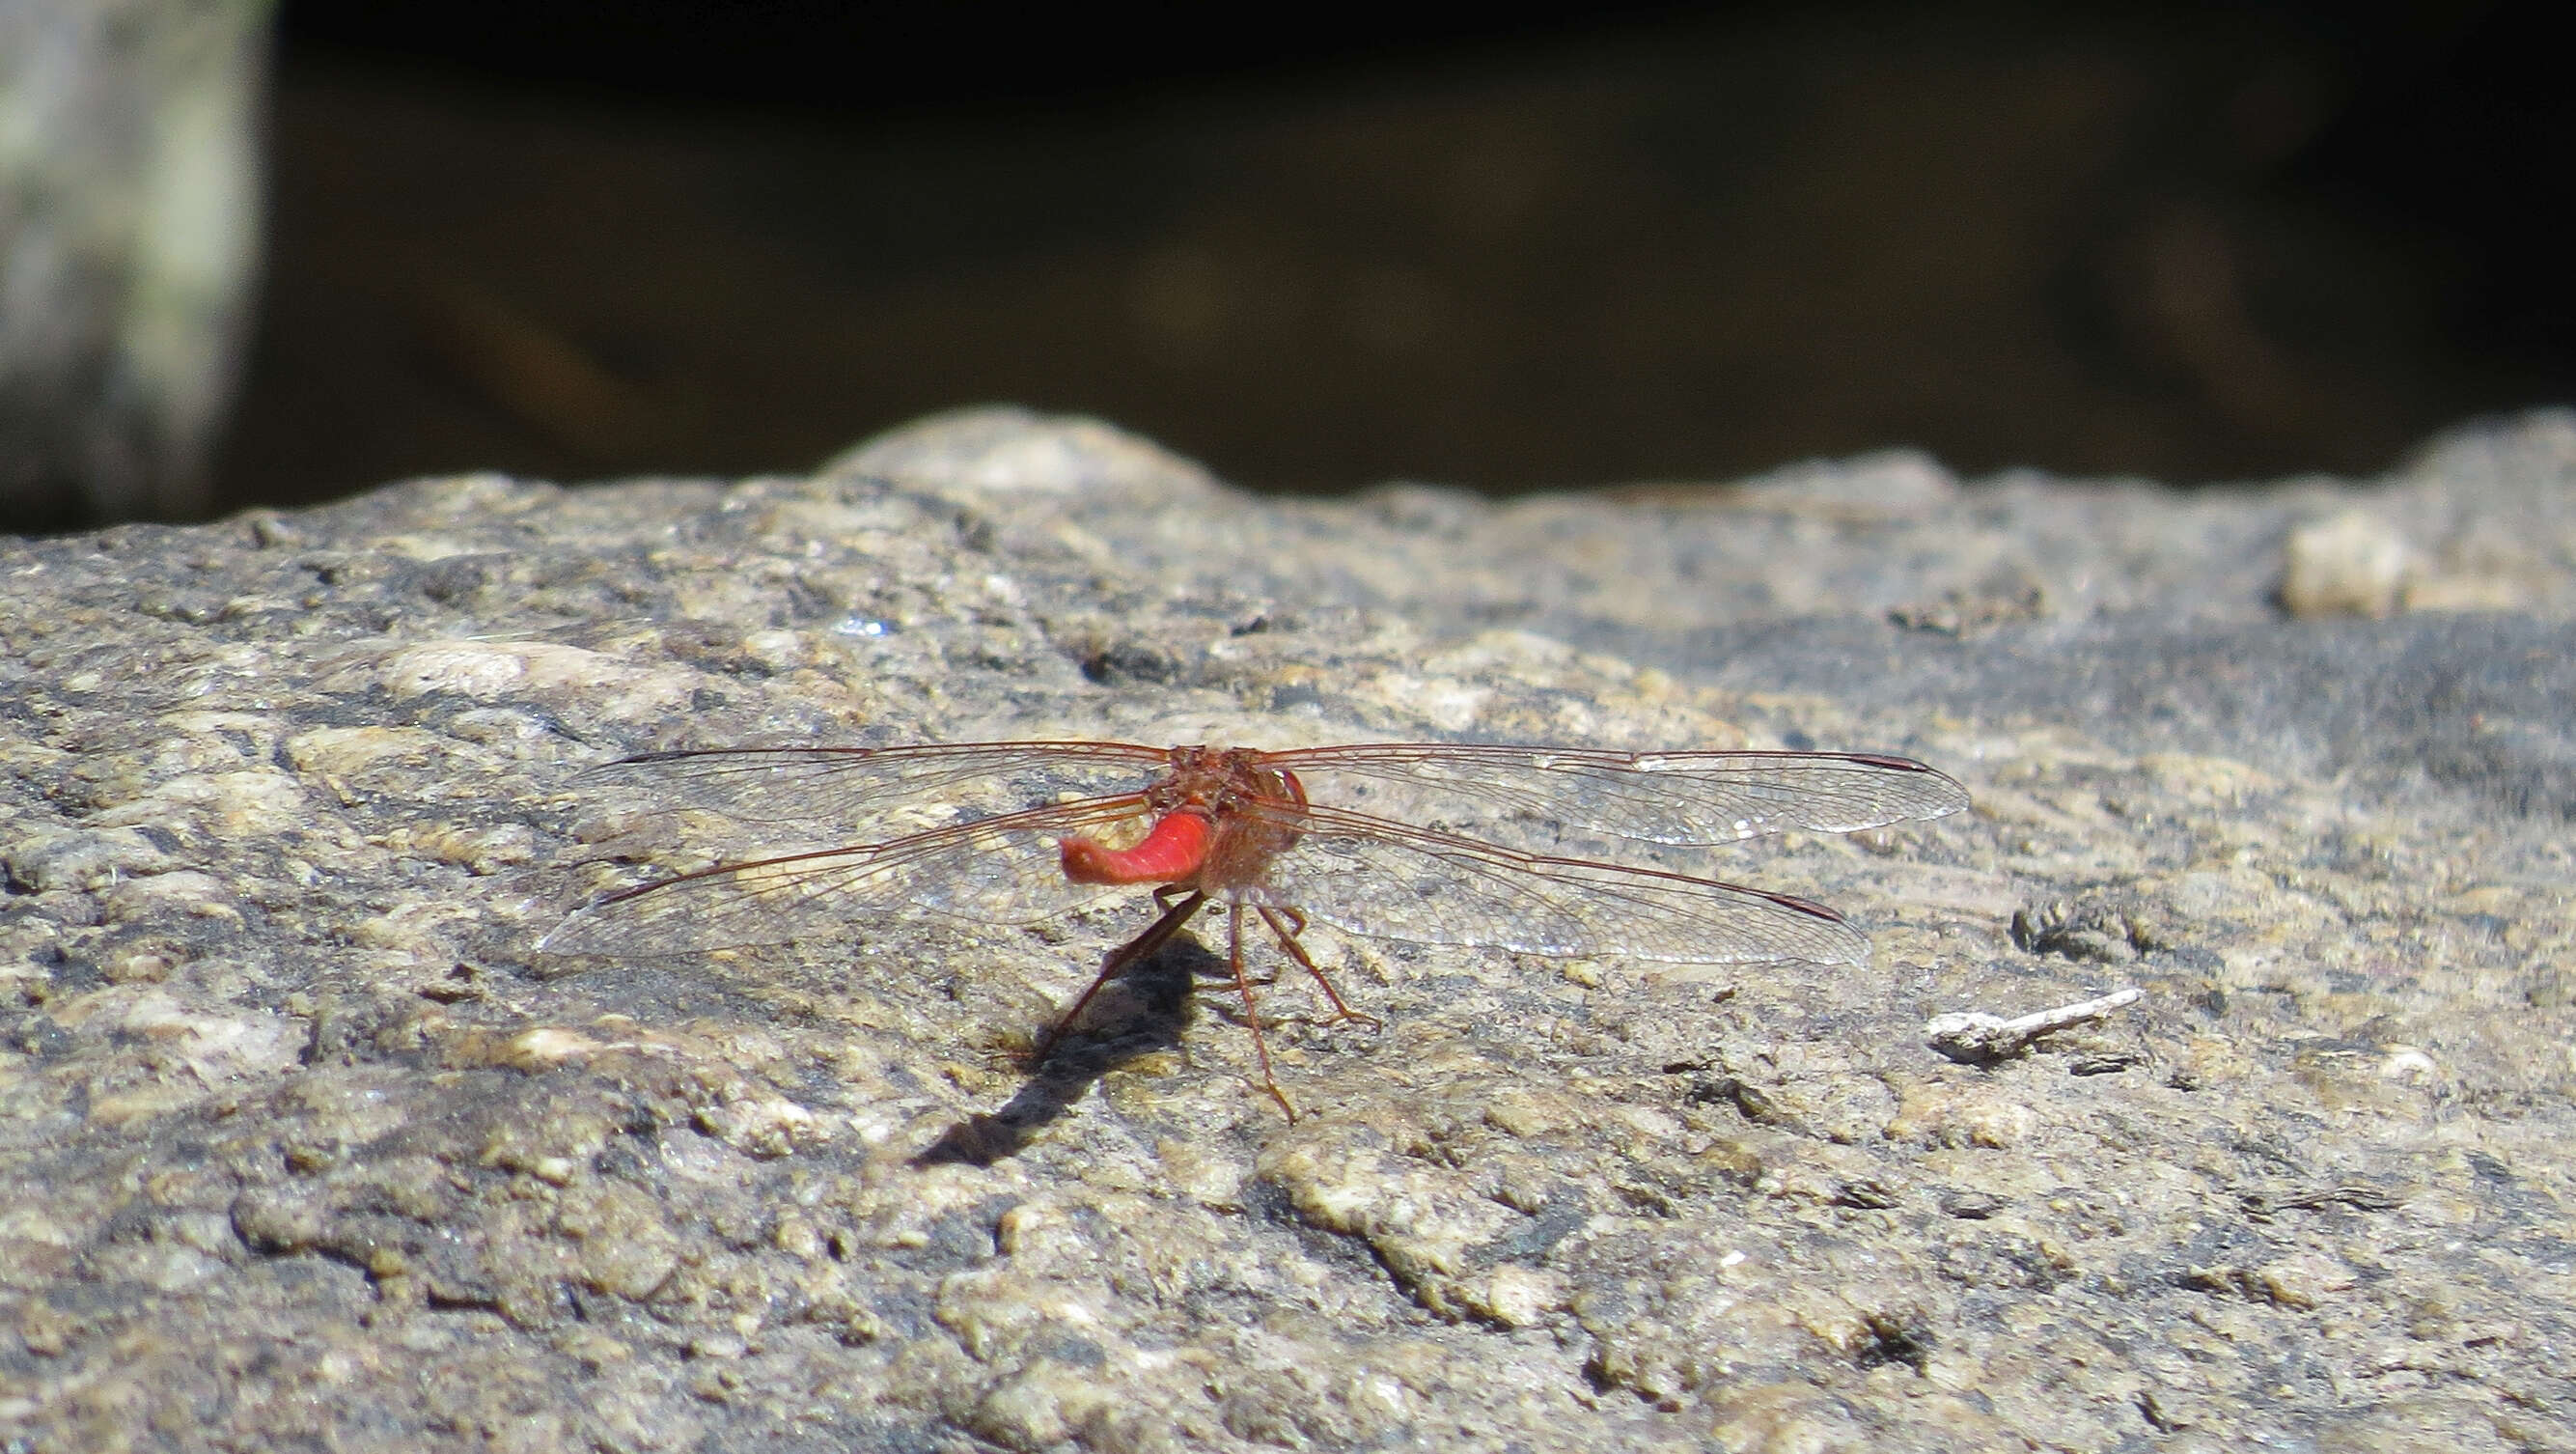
<point>1385,880</point>
<point>1525,793</point>
<point>1001,870</point>
<point>846,789</point>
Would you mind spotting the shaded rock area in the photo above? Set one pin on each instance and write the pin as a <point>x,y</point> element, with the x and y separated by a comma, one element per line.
<point>301,1145</point>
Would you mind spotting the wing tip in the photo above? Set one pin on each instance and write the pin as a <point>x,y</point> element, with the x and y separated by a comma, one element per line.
<point>566,938</point>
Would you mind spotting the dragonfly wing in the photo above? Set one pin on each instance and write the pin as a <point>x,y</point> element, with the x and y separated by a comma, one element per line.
<point>855,788</point>
<point>1385,880</point>
<point>1529,794</point>
<point>996,870</point>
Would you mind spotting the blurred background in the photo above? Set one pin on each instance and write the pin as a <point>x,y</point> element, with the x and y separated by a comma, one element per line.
<point>253,254</point>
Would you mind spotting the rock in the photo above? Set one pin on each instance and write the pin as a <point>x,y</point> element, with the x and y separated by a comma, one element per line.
<point>2346,564</point>
<point>304,1140</point>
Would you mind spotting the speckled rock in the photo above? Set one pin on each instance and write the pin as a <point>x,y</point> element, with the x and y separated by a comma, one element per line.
<point>301,1144</point>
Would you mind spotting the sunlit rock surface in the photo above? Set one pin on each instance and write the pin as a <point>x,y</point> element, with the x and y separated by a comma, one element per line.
<point>301,1143</point>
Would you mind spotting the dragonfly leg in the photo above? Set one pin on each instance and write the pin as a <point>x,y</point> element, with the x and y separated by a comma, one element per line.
<point>1288,924</point>
<point>1134,951</point>
<point>1251,1013</point>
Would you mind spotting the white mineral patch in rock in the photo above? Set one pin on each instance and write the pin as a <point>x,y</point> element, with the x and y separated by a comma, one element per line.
<point>2352,564</point>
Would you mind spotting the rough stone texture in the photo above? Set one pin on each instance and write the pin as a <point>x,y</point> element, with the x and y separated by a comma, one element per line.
<point>300,1145</point>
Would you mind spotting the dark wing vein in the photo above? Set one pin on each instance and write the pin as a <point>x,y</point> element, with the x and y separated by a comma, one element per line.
<point>848,788</point>
<point>1386,880</point>
<point>1656,797</point>
<point>1002,869</point>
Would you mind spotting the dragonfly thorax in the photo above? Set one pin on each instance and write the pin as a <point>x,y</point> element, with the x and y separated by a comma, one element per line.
<point>1220,817</point>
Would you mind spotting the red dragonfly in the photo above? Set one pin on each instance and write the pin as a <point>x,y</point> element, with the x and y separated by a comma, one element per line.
<point>1388,840</point>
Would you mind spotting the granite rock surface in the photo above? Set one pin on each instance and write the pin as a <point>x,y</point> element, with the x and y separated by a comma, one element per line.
<point>301,1144</point>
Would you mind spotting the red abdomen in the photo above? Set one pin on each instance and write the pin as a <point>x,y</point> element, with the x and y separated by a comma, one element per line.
<point>1170,854</point>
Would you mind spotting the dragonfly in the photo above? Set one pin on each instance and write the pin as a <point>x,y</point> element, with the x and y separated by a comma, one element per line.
<point>1394,841</point>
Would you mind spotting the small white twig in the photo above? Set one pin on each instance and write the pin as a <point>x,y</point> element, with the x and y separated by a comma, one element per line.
<point>1975,1036</point>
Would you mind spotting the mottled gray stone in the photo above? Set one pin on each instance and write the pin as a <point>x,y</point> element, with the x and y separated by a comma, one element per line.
<point>300,1144</point>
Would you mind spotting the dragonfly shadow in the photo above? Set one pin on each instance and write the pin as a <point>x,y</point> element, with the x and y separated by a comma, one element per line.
<point>1157,990</point>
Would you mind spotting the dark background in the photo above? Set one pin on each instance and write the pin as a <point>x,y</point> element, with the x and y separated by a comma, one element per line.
<point>1546,248</point>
